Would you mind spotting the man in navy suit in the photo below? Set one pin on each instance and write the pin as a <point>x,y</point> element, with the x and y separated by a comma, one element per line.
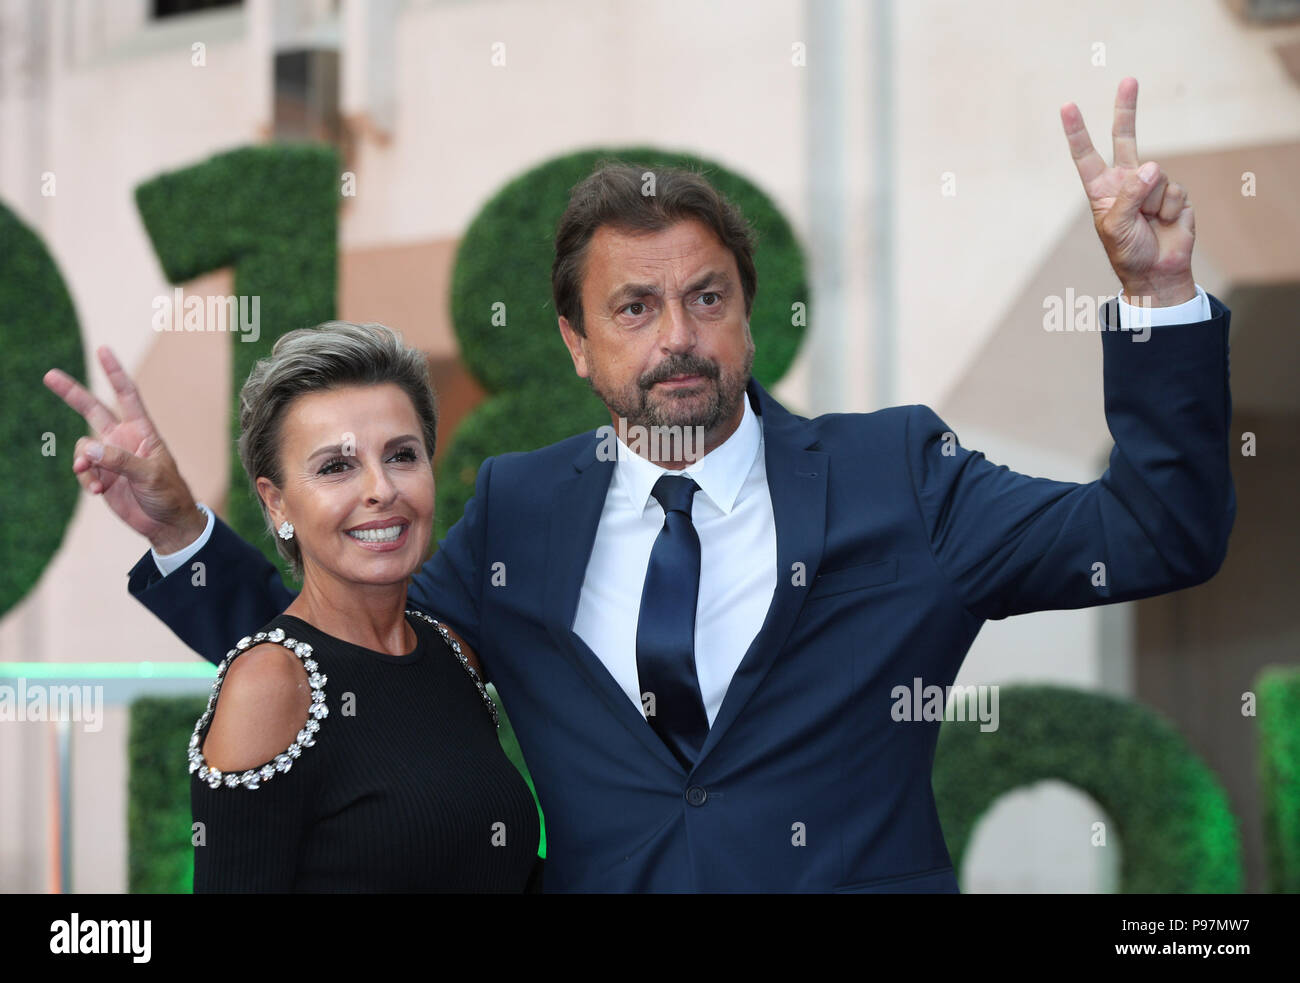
<point>699,653</point>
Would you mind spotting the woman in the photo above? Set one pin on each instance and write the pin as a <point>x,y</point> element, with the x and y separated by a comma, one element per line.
<point>349,745</point>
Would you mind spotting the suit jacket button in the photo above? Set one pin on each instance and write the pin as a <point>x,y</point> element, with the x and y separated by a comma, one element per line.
<point>696,796</point>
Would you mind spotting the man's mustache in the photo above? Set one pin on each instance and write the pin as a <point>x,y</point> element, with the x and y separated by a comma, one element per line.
<point>685,365</point>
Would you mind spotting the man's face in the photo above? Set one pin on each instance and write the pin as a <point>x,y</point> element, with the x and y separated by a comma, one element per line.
<point>667,340</point>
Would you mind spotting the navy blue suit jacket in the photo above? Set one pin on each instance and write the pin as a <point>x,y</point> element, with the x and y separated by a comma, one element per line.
<point>908,541</point>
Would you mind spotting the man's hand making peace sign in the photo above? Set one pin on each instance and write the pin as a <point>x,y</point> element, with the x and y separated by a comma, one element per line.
<point>128,463</point>
<point>1144,220</point>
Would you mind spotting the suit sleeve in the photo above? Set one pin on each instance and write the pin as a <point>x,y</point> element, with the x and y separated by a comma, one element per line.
<point>1157,520</point>
<point>449,586</point>
<point>233,593</point>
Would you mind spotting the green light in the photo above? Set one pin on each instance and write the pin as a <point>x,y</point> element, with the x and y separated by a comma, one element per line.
<point>107,670</point>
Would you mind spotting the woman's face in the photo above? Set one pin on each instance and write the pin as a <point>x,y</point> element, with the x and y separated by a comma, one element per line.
<point>358,484</point>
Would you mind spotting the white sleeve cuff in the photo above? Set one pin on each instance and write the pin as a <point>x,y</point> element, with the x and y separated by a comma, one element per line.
<point>1196,309</point>
<point>174,561</point>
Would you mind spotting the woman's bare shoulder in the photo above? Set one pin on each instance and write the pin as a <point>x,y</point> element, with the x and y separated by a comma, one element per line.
<point>265,698</point>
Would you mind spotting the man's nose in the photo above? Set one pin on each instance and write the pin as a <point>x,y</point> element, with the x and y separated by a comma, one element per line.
<point>676,328</point>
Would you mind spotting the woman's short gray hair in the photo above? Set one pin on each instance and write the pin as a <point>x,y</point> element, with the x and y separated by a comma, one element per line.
<point>310,360</point>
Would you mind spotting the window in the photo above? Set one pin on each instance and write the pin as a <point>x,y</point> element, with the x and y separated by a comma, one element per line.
<point>171,8</point>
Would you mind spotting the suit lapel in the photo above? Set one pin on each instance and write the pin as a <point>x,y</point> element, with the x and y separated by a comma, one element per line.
<point>575,515</point>
<point>796,480</point>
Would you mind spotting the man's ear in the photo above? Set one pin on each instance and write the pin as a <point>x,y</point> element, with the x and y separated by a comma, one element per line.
<point>576,344</point>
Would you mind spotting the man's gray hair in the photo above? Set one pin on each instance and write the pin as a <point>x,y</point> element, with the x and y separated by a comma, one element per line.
<point>310,360</point>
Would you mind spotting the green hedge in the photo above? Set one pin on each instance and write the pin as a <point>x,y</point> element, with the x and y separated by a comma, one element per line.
<point>38,332</point>
<point>160,856</point>
<point>1176,831</point>
<point>505,258</point>
<point>271,213</point>
<point>1278,693</point>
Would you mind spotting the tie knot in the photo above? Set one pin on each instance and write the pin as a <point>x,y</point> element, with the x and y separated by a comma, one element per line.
<point>675,493</point>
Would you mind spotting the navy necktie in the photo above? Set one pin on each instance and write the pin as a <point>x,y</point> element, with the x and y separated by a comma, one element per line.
<point>665,629</point>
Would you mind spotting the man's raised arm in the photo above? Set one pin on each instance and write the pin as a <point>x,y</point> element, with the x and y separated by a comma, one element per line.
<point>1159,518</point>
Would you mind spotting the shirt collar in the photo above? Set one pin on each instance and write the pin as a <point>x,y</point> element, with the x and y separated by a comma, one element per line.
<point>721,473</point>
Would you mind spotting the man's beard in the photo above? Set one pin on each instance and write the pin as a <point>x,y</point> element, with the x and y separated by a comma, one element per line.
<point>712,402</point>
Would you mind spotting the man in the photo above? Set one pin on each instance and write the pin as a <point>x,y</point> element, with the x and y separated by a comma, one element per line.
<point>698,655</point>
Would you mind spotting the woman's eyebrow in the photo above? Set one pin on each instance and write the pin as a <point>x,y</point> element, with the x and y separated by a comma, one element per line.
<point>338,448</point>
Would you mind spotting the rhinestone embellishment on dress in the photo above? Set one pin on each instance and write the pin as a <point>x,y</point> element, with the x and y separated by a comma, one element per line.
<point>455,648</point>
<point>282,762</point>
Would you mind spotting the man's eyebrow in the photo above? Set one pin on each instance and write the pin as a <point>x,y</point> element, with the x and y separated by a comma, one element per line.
<point>338,448</point>
<point>709,279</point>
<point>630,291</point>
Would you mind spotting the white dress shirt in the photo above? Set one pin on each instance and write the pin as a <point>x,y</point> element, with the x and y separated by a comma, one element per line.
<point>732,513</point>
<point>1189,312</point>
<point>167,562</point>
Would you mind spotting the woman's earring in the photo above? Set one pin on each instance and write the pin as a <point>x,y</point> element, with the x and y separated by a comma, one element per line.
<point>286,529</point>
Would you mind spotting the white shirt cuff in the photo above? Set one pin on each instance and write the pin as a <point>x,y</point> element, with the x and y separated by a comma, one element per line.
<point>174,561</point>
<point>1196,309</point>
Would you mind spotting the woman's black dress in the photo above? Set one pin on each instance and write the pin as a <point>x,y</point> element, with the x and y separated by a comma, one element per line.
<point>396,782</point>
